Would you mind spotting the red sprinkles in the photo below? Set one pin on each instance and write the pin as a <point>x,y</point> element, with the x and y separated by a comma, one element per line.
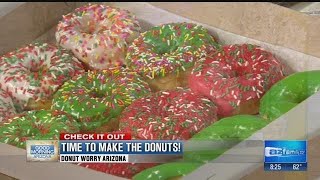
<point>36,71</point>
<point>98,34</point>
<point>169,115</point>
<point>236,74</point>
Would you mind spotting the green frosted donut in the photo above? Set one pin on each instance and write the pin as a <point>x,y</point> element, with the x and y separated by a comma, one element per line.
<point>169,48</point>
<point>97,97</point>
<point>231,130</point>
<point>237,127</point>
<point>289,92</point>
<point>167,171</point>
<point>36,125</point>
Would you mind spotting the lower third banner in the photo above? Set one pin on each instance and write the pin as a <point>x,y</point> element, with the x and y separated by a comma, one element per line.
<point>104,151</point>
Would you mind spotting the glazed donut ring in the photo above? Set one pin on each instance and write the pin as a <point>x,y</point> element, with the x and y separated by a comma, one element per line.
<point>236,77</point>
<point>98,34</point>
<point>165,54</point>
<point>30,75</point>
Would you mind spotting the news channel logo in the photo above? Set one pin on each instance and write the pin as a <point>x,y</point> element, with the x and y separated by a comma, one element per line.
<point>42,150</point>
<point>285,151</point>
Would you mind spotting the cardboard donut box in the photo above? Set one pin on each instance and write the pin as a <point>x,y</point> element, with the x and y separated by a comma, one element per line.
<point>292,36</point>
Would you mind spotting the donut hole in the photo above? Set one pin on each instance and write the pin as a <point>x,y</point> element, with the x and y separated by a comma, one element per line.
<point>173,39</point>
<point>162,43</point>
<point>34,69</point>
<point>43,129</point>
<point>38,68</point>
<point>37,73</point>
<point>162,48</point>
<point>163,51</point>
<point>88,29</point>
<point>97,94</point>
<point>89,26</point>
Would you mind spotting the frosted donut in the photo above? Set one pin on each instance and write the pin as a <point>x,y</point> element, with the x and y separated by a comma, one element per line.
<point>228,129</point>
<point>98,34</point>
<point>7,108</point>
<point>165,54</point>
<point>288,93</point>
<point>170,115</point>
<point>96,98</point>
<point>125,170</point>
<point>31,75</point>
<point>236,77</point>
<point>36,125</point>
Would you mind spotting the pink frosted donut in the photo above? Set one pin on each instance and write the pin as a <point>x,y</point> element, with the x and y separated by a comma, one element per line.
<point>98,34</point>
<point>236,77</point>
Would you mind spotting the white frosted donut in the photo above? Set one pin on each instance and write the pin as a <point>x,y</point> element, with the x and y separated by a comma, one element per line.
<point>32,74</point>
<point>98,35</point>
<point>7,108</point>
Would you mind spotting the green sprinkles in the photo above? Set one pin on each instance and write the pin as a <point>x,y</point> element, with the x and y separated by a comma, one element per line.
<point>173,114</point>
<point>169,48</point>
<point>36,71</point>
<point>36,125</point>
<point>98,96</point>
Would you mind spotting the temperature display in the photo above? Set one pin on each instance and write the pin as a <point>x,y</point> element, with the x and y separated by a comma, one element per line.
<point>285,156</point>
